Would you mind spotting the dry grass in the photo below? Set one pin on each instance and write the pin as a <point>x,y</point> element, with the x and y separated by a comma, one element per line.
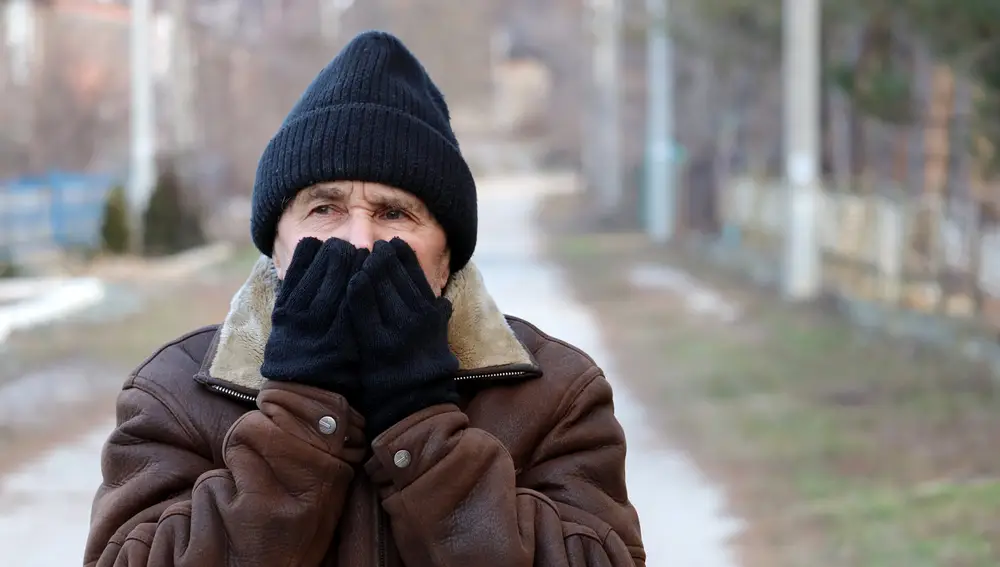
<point>842,448</point>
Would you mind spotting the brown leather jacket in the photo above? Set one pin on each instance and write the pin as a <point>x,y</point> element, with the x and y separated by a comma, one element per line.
<point>211,465</point>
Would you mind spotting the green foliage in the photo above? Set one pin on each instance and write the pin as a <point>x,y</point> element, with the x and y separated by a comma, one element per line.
<point>8,267</point>
<point>170,224</point>
<point>733,30</point>
<point>967,34</point>
<point>956,30</point>
<point>964,34</point>
<point>115,230</point>
<point>987,109</point>
<point>987,127</point>
<point>885,94</point>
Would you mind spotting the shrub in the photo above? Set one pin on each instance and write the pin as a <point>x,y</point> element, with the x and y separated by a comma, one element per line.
<point>8,268</point>
<point>115,230</point>
<point>170,224</point>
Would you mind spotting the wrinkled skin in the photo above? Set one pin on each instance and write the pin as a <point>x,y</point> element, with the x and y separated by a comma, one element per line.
<point>363,213</point>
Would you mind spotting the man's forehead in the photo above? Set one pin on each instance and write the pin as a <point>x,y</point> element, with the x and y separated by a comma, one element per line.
<point>340,190</point>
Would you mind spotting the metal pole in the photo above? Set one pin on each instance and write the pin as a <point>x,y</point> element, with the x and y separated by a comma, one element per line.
<point>143,120</point>
<point>606,68</point>
<point>181,81</point>
<point>802,279</point>
<point>499,49</point>
<point>588,129</point>
<point>19,23</point>
<point>661,190</point>
<point>20,30</point>
<point>331,12</point>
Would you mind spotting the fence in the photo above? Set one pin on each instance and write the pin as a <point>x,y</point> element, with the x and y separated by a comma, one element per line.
<point>927,257</point>
<point>41,215</point>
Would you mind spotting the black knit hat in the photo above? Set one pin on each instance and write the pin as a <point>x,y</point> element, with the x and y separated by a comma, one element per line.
<point>372,114</point>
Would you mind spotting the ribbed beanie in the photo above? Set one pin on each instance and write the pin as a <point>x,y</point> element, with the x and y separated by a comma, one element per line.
<point>372,114</point>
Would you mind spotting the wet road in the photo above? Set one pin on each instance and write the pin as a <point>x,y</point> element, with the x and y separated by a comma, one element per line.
<point>44,506</point>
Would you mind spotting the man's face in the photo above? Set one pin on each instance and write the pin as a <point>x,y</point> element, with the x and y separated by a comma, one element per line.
<point>363,213</point>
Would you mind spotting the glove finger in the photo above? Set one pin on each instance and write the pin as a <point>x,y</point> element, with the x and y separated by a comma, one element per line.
<point>362,305</point>
<point>302,258</point>
<point>381,257</point>
<point>302,295</point>
<point>385,299</point>
<point>411,264</point>
<point>390,300</point>
<point>360,256</point>
<point>339,263</point>
<point>409,292</point>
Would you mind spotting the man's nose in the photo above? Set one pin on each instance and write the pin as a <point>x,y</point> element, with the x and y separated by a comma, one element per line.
<point>361,231</point>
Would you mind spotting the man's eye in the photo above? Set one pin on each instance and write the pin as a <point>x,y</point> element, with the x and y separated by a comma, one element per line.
<point>322,210</point>
<point>394,214</point>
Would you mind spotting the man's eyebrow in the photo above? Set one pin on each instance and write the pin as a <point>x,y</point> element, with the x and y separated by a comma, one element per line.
<point>397,201</point>
<point>324,193</point>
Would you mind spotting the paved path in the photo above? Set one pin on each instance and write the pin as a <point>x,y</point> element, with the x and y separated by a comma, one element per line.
<point>683,519</point>
<point>44,507</point>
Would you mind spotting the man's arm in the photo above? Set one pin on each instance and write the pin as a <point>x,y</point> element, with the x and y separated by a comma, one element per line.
<point>455,500</point>
<point>277,502</point>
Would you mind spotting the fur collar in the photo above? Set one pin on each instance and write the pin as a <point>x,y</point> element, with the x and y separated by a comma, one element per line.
<point>479,333</point>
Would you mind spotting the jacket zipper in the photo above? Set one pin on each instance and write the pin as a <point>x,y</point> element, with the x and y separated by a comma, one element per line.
<point>233,393</point>
<point>507,374</point>
<point>253,399</point>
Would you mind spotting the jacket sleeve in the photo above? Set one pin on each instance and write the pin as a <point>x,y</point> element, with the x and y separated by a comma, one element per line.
<point>455,499</point>
<point>276,502</point>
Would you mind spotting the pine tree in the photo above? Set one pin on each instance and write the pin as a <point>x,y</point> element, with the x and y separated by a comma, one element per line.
<point>115,223</point>
<point>170,225</point>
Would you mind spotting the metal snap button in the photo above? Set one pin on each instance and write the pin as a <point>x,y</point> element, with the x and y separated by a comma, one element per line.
<point>327,425</point>
<point>401,459</point>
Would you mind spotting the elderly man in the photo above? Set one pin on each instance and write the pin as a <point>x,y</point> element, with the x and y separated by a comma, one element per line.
<point>365,402</point>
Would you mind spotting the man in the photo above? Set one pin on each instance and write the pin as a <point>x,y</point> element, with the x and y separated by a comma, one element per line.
<point>365,402</point>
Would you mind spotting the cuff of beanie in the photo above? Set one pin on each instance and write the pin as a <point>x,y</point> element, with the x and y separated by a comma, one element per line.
<point>374,143</point>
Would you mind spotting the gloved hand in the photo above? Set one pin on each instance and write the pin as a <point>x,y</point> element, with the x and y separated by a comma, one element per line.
<point>311,341</point>
<point>402,333</point>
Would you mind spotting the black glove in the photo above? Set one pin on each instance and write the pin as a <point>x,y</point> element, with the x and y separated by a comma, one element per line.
<point>311,341</point>
<point>402,333</point>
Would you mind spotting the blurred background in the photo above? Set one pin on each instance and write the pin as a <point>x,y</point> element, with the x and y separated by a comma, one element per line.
<point>784,216</point>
